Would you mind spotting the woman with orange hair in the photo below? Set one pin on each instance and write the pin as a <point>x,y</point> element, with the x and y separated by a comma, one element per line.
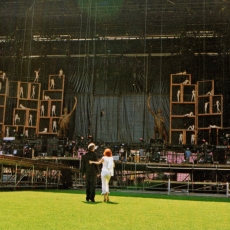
<point>106,172</point>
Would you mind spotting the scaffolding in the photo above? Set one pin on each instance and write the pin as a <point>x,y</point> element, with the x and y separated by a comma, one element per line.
<point>26,173</point>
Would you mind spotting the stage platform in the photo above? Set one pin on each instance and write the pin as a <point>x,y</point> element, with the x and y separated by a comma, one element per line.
<point>198,172</point>
<point>45,172</point>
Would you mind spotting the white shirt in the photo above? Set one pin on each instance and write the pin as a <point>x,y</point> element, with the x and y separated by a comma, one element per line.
<point>107,165</point>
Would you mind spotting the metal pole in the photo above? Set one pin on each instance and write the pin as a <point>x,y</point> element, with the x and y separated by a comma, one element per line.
<point>168,186</point>
<point>58,180</point>
<point>1,179</point>
<point>46,177</point>
<point>227,189</point>
<point>15,175</point>
<point>135,173</point>
<point>188,187</point>
<point>32,179</point>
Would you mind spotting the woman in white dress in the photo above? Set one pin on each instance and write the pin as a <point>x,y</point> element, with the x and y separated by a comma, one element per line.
<point>106,172</point>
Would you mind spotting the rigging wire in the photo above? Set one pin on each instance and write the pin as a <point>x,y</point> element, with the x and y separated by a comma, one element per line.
<point>30,41</point>
<point>161,50</point>
<point>24,41</point>
<point>79,46</point>
<point>204,44</point>
<point>146,60</point>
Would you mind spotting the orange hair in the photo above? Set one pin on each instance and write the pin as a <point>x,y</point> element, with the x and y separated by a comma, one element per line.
<point>108,153</point>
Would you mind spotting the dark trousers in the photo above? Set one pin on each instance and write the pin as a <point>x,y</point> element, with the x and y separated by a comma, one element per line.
<point>91,180</point>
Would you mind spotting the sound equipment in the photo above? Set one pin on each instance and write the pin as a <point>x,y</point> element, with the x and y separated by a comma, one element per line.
<point>52,146</point>
<point>213,136</point>
<point>221,147</point>
<point>8,138</point>
<point>219,155</point>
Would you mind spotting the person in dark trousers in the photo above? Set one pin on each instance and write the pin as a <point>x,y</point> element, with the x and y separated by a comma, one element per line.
<point>90,172</point>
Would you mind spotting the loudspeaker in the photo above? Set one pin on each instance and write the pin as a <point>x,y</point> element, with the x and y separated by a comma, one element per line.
<point>52,147</point>
<point>219,155</point>
<point>213,137</point>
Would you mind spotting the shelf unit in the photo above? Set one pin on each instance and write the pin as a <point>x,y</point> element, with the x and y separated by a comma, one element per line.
<point>183,110</point>
<point>210,112</point>
<point>25,115</point>
<point>50,106</point>
<point>4,92</point>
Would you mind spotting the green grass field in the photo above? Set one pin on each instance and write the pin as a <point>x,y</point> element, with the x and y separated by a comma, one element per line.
<point>67,209</point>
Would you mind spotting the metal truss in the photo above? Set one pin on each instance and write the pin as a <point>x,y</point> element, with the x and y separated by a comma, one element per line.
<point>16,173</point>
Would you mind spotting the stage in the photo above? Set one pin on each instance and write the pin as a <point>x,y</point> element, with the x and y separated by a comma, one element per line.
<point>46,172</point>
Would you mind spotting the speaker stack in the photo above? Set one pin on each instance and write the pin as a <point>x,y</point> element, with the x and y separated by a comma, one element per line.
<point>52,147</point>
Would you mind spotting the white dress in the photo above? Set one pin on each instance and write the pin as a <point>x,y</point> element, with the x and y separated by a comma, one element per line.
<point>106,173</point>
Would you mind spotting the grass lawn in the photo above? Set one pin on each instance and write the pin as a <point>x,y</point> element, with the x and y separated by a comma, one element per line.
<point>67,209</point>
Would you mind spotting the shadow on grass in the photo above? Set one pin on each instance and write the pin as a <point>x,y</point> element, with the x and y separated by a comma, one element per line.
<point>93,203</point>
<point>111,202</point>
<point>143,194</point>
<point>99,202</point>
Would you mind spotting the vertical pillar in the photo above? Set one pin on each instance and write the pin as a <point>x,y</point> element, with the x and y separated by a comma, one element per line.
<point>188,187</point>
<point>1,178</point>
<point>46,177</point>
<point>15,175</point>
<point>32,178</point>
<point>168,186</point>
<point>227,189</point>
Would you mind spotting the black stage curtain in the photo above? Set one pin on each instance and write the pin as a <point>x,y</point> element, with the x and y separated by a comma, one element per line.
<point>115,118</point>
<point>112,101</point>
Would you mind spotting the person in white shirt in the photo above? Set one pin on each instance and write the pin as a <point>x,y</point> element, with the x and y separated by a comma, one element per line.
<point>30,120</point>
<point>191,127</point>
<point>33,92</point>
<point>178,95</point>
<point>36,75</point>
<point>193,95</point>
<point>180,138</point>
<point>217,106</point>
<point>54,126</point>
<point>60,73</point>
<point>16,118</point>
<point>192,139</point>
<point>106,172</point>
<point>52,83</point>
<point>185,82</point>
<point>53,111</point>
<point>206,107</point>
<point>21,92</point>
<point>42,113</point>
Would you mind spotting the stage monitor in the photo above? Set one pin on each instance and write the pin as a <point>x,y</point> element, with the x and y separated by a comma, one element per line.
<point>8,138</point>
